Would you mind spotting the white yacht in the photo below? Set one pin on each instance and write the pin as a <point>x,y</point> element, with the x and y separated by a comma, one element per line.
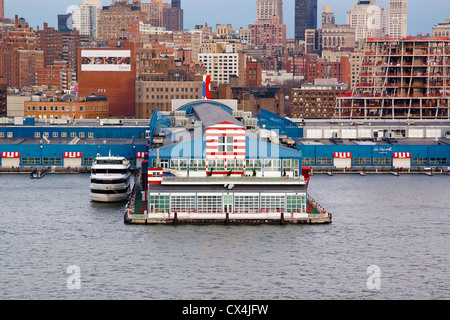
<point>110,179</point>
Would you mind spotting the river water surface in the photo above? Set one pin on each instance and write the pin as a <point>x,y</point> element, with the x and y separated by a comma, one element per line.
<point>397,225</point>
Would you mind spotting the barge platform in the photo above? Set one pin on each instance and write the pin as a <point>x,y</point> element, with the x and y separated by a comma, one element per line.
<point>136,212</point>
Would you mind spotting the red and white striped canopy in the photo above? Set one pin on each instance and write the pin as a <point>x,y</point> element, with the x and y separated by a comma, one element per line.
<point>10,154</point>
<point>342,154</point>
<point>72,154</point>
<point>402,155</point>
<point>141,154</point>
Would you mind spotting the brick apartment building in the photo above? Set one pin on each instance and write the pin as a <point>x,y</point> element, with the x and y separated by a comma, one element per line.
<point>67,106</point>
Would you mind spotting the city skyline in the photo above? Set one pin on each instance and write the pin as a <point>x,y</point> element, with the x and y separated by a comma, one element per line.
<point>197,12</point>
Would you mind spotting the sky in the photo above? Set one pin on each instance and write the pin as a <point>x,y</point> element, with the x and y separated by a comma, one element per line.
<point>422,15</point>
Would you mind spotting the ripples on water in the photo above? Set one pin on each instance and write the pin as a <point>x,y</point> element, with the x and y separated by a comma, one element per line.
<point>399,224</point>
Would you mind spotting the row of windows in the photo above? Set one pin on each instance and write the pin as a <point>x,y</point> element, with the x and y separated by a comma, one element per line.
<point>166,89</point>
<point>65,108</point>
<point>56,160</point>
<point>217,203</point>
<point>376,161</point>
<point>64,135</point>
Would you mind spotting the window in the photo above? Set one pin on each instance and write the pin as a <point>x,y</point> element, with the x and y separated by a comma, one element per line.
<point>246,203</point>
<point>88,160</point>
<point>235,165</point>
<point>90,135</point>
<point>37,134</point>
<point>296,203</point>
<point>253,164</point>
<point>179,164</point>
<point>73,134</point>
<point>359,161</point>
<point>209,203</point>
<point>63,134</point>
<point>81,134</point>
<point>159,203</point>
<point>419,161</point>
<point>308,160</point>
<point>216,165</point>
<point>31,161</point>
<point>55,134</point>
<point>381,161</point>
<point>438,161</point>
<point>225,144</point>
<point>182,203</point>
<point>52,161</point>
<point>290,164</point>
<point>197,165</point>
<point>273,203</point>
<point>272,165</point>
<point>324,160</point>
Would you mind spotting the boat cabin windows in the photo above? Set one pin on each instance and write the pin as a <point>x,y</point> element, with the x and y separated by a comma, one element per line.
<point>106,171</point>
<point>112,161</point>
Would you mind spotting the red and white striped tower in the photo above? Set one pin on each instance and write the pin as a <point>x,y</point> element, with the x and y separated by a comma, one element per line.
<point>232,146</point>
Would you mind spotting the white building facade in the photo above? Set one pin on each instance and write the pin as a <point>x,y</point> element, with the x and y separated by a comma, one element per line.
<point>398,18</point>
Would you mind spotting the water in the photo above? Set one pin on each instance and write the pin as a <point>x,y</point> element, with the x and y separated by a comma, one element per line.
<point>399,224</point>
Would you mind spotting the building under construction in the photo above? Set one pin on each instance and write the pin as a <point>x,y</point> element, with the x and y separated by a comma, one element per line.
<point>406,78</point>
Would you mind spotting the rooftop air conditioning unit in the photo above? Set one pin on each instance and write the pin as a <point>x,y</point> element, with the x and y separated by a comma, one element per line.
<point>251,122</point>
<point>238,114</point>
<point>181,121</point>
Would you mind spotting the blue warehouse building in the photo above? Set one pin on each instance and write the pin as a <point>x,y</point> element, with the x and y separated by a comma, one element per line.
<point>322,143</point>
<point>72,144</point>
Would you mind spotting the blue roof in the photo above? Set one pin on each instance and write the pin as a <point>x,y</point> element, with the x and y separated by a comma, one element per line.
<point>255,149</point>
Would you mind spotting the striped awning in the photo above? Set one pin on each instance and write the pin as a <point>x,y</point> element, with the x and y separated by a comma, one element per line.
<point>402,155</point>
<point>141,154</point>
<point>10,154</point>
<point>72,154</point>
<point>342,154</point>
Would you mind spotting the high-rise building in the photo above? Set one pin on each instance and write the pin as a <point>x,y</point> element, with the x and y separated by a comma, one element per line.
<point>173,19</point>
<point>223,66</point>
<point>368,19</point>
<point>85,17</point>
<point>176,4</point>
<point>114,19</point>
<point>270,35</point>
<point>64,22</point>
<point>305,17</point>
<point>327,16</point>
<point>2,9</point>
<point>267,9</point>
<point>398,18</point>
